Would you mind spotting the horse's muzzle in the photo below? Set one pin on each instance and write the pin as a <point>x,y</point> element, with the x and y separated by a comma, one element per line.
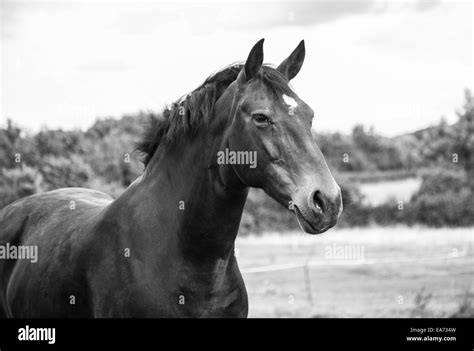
<point>318,212</point>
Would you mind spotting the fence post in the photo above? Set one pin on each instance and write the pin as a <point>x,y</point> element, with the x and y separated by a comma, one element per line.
<point>307,281</point>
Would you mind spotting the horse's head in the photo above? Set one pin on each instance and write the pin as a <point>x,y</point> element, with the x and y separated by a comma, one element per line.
<point>271,122</point>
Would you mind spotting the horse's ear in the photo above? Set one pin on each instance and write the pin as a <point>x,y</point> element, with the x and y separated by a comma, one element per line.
<point>253,64</point>
<point>292,65</point>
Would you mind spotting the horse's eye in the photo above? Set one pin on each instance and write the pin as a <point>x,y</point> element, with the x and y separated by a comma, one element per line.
<point>261,119</point>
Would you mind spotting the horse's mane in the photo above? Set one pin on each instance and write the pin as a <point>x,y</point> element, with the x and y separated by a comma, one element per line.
<point>193,110</point>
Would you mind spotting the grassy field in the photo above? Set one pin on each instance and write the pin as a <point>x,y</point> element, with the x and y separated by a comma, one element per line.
<point>369,272</point>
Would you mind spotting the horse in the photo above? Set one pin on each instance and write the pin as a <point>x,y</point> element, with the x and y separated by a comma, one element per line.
<point>165,246</point>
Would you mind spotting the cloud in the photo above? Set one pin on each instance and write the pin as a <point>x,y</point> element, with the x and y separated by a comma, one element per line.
<point>106,65</point>
<point>424,5</point>
<point>391,65</point>
<point>208,17</point>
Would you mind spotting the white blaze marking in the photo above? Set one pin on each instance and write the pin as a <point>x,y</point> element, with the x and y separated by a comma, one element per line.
<point>289,101</point>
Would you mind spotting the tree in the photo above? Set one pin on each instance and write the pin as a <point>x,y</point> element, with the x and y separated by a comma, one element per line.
<point>462,142</point>
<point>453,146</point>
<point>62,172</point>
<point>9,138</point>
<point>16,183</point>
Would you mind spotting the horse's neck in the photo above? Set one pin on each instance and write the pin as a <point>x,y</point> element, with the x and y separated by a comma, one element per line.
<point>183,202</point>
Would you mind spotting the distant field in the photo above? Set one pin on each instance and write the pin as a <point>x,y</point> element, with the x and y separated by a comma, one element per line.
<point>378,193</point>
<point>373,272</point>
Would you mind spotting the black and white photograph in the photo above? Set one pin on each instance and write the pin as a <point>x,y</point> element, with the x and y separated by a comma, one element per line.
<point>309,160</point>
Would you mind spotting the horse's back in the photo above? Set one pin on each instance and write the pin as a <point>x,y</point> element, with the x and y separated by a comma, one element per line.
<point>53,206</point>
<point>41,220</point>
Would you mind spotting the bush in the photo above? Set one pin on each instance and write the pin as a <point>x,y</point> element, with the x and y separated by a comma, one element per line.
<point>465,306</point>
<point>444,199</point>
<point>16,183</point>
<point>448,208</point>
<point>62,172</point>
<point>440,181</point>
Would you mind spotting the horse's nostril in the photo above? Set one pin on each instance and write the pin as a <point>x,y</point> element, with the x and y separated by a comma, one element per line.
<point>318,201</point>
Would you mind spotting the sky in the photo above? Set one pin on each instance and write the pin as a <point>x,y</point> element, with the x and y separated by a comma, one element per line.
<point>395,65</point>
